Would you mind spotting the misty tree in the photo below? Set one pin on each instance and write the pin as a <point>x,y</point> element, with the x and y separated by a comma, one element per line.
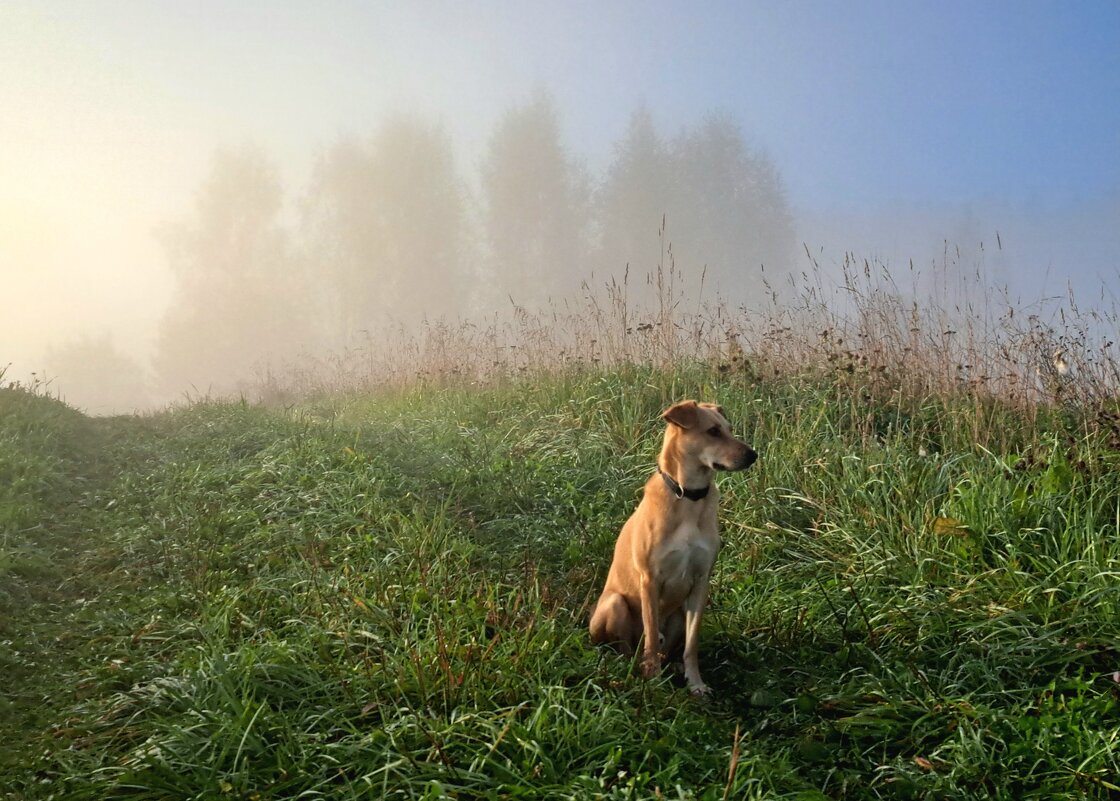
<point>385,224</point>
<point>341,241</point>
<point>237,304</point>
<point>729,211</point>
<point>94,375</point>
<point>534,207</point>
<point>633,200</point>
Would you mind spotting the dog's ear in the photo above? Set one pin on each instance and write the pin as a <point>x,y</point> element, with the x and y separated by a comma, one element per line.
<point>715,407</point>
<point>683,414</point>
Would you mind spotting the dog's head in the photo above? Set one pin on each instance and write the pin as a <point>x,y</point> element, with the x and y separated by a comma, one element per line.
<point>699,432</point>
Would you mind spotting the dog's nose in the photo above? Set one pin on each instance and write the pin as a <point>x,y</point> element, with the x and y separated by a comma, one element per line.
<point>749,458</point>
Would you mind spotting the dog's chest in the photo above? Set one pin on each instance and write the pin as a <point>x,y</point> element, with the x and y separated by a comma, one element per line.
<point>684,557</point>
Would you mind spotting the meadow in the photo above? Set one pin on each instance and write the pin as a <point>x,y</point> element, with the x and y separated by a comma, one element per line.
<point>380,589</point>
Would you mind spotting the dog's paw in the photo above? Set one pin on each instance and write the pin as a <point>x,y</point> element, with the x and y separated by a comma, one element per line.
<point>699,689</point>
<point>651,666</point>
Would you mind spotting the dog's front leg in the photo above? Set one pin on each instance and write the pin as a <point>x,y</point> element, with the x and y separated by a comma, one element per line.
<point>693,610</point>
<point>651,627</point>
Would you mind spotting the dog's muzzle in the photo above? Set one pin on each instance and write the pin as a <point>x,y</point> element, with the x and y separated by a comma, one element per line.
<point>748,458</point>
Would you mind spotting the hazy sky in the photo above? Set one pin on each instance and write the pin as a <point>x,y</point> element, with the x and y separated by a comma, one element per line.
<point>888,120</point>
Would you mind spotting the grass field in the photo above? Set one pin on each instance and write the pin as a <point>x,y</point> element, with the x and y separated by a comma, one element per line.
<point>384,595</point>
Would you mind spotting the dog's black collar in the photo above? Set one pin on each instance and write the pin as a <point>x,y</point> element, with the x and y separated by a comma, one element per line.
<point>681,492</point>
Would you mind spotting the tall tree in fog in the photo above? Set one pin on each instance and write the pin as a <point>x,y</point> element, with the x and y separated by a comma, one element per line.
<point>633,200</point>
<point>535,207</point>
<point>237,301</point>
<point>729,212</point>
<point>342,239</point>
<point>386,229</point>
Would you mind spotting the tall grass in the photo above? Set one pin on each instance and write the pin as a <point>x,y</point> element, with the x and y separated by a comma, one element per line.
<point>943,331</point>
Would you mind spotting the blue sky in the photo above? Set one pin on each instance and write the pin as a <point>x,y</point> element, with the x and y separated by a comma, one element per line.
<point>895,125</point>
<point>865,103</point>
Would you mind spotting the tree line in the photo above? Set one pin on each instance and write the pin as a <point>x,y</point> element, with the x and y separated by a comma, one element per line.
<point>391,231</point>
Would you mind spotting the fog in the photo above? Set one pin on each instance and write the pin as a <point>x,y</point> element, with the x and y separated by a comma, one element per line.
<point>191,197</point>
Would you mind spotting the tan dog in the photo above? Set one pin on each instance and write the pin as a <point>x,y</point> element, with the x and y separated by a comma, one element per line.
<point>663,559</point>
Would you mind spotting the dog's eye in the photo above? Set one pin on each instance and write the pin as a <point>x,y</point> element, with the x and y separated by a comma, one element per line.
<point>714,431</point>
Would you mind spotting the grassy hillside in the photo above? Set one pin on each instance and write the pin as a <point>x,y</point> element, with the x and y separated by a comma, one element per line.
<point>386,595</point>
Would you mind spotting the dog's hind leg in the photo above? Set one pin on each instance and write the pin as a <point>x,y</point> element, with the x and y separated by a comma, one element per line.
<point>614,622</point>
